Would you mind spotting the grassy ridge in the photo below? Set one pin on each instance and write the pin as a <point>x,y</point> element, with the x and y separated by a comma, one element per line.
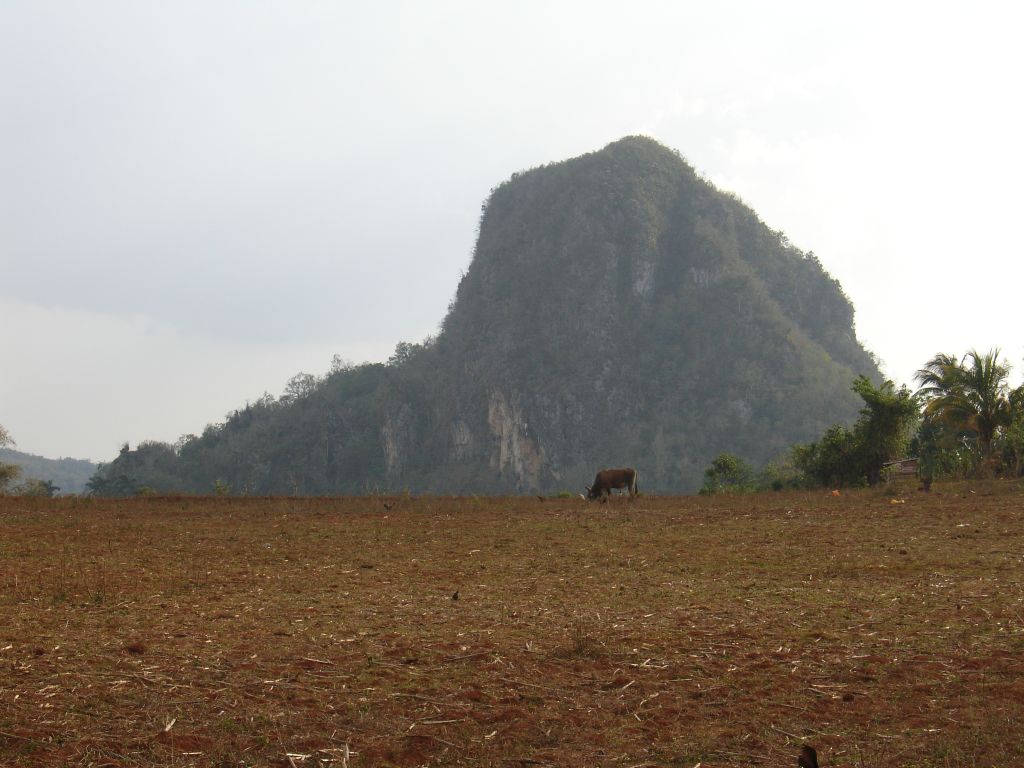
<point>663,632</point>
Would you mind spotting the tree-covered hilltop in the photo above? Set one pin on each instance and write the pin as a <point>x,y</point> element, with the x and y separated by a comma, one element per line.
<point>618,310</point>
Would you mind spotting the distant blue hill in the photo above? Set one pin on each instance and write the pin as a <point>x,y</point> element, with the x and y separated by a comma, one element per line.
<point>70,475</point>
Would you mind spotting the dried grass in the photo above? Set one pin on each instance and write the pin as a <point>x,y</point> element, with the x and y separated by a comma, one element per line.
<point>322,632</point>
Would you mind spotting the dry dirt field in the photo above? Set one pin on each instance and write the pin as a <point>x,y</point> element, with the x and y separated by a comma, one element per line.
<point>514,632</point>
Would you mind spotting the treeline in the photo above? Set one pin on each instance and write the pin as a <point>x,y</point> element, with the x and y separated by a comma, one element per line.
<point>318,438</point>
<point>964,421</point>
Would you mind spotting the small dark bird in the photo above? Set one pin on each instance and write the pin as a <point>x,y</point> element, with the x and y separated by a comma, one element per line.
<point>388,506</point>
<point>808,757</point>
<point>456,595</point>
<point>541,498</point>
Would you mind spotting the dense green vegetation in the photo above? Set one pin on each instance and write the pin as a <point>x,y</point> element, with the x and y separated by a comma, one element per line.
<point>619,310</point>
<point>851,456</point>
<point>964,421</point>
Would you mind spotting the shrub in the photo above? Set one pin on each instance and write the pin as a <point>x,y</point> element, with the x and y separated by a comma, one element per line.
<point>727,474</point>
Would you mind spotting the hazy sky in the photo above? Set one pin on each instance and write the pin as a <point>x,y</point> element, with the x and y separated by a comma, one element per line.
<point>200,199</point>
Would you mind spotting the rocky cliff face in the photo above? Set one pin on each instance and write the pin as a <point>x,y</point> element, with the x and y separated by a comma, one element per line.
<point>515,454</point>
<point>618,310</point>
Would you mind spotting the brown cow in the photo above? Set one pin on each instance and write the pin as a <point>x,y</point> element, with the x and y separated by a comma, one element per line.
<point>808,757</point>
<point>607,479</point>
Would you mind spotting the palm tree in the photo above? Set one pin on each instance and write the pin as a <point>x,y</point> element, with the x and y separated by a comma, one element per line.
<point>8,472</point>
<point>1015,431</point>
<point>969,394</point>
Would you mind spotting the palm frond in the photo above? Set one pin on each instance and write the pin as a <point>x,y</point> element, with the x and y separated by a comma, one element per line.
<point>970,393</point>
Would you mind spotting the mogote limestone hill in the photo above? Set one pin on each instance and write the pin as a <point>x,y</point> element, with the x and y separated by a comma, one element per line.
<point>619,310</point>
